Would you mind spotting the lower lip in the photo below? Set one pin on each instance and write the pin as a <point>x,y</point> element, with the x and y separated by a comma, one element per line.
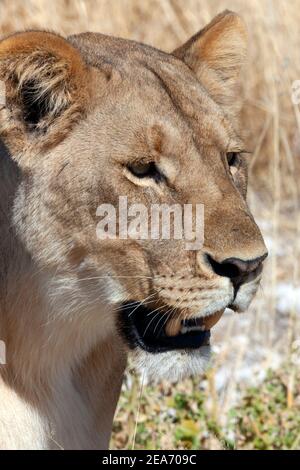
<point>192,340</point>
<point>135,327</point>
<point>174,326</point>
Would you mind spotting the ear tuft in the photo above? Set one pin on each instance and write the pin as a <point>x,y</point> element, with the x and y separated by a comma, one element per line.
<point>45,80</point>
<point>216,54</point>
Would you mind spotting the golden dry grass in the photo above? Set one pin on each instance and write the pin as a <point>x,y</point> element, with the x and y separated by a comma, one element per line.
<point>271,124</point>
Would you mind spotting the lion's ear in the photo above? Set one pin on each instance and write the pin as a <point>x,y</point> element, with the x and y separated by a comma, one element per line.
<point>44,79</point>
<point>216,55</point>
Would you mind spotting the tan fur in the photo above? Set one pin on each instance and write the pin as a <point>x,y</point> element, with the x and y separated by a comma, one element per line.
<point>95,105</point>
<point>56,73</point>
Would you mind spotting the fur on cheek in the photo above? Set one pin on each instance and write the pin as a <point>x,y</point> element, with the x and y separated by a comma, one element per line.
<point>172,366</point>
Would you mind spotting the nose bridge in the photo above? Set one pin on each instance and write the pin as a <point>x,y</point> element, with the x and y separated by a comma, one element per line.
<point>230,232</point>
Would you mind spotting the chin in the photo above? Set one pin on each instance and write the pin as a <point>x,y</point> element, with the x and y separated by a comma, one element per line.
<point>172,366</point>
<point>159,356</point>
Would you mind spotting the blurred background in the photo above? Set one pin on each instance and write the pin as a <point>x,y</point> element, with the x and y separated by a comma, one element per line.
<point>250,399</point>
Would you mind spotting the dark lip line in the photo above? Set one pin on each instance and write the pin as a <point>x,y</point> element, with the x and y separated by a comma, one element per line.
<point>129,323</point>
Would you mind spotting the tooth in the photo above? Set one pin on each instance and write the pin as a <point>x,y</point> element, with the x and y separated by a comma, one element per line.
<point>209,322</point>
<point>173,327</point>
<point>187,329</point>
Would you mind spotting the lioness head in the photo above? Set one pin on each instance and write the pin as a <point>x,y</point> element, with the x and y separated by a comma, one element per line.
<point>91,118</point>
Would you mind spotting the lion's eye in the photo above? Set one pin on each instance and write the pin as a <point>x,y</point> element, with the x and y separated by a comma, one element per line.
<point>233,158</point>
<point>144,170</point>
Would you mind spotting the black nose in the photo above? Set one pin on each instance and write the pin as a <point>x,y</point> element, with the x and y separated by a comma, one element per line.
<point>236,269</point>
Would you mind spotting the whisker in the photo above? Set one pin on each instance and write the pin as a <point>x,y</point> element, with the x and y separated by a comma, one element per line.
<point>138,410</point>
<point>152,319</point>
<point>159,320</point>
<point>141,303</point>
<point>128,306</point>
<point>167,315</point>
<point>170,312</point>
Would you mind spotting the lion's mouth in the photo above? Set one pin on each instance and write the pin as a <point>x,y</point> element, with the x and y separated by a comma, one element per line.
<point>155,333</point>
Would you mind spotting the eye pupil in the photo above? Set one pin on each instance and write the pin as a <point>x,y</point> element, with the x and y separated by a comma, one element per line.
<point>232,158</point>
<point>143,170</point>
<point>140,169</point>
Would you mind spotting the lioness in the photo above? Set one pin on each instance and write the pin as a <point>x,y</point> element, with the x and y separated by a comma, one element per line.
<point>85,120</point>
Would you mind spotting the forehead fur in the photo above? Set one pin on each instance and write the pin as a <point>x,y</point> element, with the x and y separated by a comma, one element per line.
<point>163,80</point>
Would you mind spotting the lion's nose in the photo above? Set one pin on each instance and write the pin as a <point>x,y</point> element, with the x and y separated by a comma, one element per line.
<point>238,270</point>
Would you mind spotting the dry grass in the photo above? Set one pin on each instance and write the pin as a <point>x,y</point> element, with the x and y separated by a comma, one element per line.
<point>271,124</point>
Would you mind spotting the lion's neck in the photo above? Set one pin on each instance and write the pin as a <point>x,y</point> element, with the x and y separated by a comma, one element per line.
<point>63,372</point>
<point>64,364</point>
